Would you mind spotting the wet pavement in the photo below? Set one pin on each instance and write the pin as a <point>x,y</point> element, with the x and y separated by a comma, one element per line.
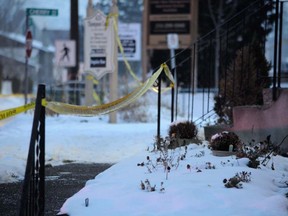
<point>61,183</point>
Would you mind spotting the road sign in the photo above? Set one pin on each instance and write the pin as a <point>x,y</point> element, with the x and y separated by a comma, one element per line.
<point>28,44</point>
<point>173,41</point>
<point>65,53</point>
<point>41,12</point>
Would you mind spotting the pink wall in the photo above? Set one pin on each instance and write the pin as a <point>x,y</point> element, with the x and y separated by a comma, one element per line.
<point>260,121</point>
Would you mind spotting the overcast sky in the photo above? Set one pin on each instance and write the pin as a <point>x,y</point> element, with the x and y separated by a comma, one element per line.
<point>62,21</point>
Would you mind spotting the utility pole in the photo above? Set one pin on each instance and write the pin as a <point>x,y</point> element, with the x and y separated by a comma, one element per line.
<point>74,35</point>
<point>89,100</point>
<point>114,75</point>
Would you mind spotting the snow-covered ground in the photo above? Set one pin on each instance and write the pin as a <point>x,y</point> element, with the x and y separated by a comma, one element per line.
<point>194,190</point>
<point>185,192</point>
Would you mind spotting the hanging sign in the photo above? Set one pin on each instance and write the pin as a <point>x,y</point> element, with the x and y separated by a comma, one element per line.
<point>99,45</point>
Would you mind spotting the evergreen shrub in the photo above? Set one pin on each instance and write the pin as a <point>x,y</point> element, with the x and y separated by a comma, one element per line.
<point>243,82</point>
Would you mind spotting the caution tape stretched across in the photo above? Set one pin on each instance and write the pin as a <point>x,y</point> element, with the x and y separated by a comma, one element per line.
<point>166,69</point>
<point>113,16</point>
<point>63,108</point>
<point>15,111</point>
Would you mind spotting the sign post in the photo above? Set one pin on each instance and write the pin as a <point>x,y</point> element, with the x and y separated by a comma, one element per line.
<point>165,17</point>
<point>114,76</point>
<point>33,12</point>
<point>173,43</point>
<point>28,55</point>
<point>100,53</point>
<point>28,43</point>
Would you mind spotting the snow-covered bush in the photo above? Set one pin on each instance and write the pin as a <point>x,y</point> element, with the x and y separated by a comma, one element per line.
<point>181,132</point>
<point>225,141</point>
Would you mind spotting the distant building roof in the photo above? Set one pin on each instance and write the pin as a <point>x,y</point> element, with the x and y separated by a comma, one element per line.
<point>21,39</point>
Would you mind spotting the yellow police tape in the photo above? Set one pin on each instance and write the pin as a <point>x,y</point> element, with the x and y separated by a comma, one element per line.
<point>96,82</point>
<point>114,22</point>
<point>15,111</point>
<point>90,77</point>
<point>113,16</point>
<point>63,108</point>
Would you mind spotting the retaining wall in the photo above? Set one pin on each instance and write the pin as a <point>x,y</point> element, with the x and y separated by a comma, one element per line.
<point>257,122</point>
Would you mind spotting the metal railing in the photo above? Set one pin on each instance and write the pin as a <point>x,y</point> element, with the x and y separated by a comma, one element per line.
<point>33,189</point>
<point>212,55</point>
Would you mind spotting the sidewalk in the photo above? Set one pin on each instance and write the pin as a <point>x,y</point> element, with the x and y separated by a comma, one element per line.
<point>61,183</point>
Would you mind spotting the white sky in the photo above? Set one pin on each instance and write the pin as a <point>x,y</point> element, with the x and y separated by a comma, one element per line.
<point>62,21</point>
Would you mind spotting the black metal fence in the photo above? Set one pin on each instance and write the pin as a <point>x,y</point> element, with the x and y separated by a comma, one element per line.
<point>33,191</point>
<point>213,56</point>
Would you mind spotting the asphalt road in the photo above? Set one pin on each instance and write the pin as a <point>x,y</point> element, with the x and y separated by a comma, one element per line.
<point>61,183</point>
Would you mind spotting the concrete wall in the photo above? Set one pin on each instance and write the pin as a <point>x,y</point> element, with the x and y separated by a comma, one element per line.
<point>257,122</point>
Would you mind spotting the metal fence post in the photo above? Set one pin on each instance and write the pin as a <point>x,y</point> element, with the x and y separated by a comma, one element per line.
<point>33,191</point>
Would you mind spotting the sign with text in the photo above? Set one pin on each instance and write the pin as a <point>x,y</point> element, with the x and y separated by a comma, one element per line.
<point>65,54</point>
<point>130,37</point>
<point>169,16</point>
<point>99,45</point>
<point>166,27</point>
<point>41,12</point>
<point>169,7</point>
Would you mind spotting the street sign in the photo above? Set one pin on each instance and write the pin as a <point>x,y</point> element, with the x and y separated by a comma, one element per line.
<point>65,54</point>
<point>28,44</point>
<point>41,12</point>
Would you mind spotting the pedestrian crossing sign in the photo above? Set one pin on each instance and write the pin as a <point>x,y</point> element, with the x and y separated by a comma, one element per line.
<point>65,55</point>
